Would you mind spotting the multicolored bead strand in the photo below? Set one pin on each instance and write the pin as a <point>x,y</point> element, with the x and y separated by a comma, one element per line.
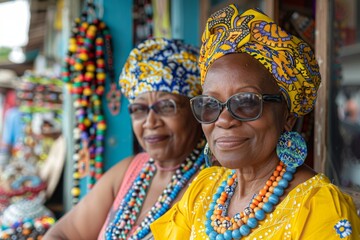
<point>85,73</point>
<point>220,226</point>
<point>122,226</point>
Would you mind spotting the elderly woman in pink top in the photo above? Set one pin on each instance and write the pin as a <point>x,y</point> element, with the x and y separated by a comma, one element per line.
<point>159,78</point>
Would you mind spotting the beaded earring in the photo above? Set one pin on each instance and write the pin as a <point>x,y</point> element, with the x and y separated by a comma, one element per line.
<point>291,149</point>
<point>208,156</point>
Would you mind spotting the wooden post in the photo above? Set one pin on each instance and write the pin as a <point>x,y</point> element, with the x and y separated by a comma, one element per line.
<point>322,46</point>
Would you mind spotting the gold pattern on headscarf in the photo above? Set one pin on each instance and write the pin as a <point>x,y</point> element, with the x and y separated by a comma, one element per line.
<point>290,60</point>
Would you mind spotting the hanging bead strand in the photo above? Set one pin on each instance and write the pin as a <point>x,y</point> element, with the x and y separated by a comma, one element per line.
<point>85,72</point>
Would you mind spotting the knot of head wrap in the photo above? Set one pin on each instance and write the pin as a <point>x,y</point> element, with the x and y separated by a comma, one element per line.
<point>161,65</point>
<point>290,60</point>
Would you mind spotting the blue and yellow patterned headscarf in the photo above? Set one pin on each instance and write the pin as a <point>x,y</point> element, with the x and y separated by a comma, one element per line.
<point>290,60</point>
<point>161,65</point>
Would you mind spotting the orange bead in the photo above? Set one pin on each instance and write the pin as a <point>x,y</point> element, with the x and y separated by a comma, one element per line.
<point>252,206</point>
<point>276,173</point>
<point>269,183</point>
<point>26,231</point>
<point>217,212</point>
<point>271,189</point>
<point>266,199</point>
<point>275,184</point>
<point>278,178</point>
<point>268,194</point>
<point>279,168</point>
<point>272,178</point>
<point>261,205</point>
<point>262,192</point>
<point>258,198</point>
<point>230,181</point>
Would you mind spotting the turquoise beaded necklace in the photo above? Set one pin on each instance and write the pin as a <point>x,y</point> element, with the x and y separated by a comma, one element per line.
<point>219,226</point>
<point>122,225</point>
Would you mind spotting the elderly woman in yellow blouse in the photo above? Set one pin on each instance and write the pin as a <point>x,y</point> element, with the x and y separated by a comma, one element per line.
<point>257,79</point>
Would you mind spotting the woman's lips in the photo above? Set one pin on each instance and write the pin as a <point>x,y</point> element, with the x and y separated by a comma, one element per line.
<point>155,138</point>
<point>227,143</point>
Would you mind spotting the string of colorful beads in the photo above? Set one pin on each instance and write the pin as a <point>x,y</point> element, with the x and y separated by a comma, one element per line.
<point>220,226</point>
<point>129,209</point>
<point>27,229</point>
<point>85,72</point>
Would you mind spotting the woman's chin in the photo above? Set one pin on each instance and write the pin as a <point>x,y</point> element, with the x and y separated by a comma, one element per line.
<point>232,161</point>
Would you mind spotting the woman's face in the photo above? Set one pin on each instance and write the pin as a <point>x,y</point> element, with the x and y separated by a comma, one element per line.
<point>166,137</point>
<point>236,144</point>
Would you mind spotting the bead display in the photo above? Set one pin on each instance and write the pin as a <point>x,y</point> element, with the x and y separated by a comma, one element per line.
<point>85,72</point>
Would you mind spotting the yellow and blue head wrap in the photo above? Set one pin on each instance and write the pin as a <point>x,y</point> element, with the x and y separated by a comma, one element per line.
<point>290,60</point>
<point>161,65</point>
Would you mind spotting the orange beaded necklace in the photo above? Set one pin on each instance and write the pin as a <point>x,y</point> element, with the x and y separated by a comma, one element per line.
<point>220,226</point>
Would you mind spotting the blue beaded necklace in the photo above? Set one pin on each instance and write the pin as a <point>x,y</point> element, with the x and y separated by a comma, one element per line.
<point>122,225</point>
<point>219,226</point>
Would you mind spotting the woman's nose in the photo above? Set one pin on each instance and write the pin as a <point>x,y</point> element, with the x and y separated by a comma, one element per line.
<point>225,119</point>
<point>152,119</point>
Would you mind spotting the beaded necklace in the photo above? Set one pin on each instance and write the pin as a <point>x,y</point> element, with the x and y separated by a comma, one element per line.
<point>122,225</point>
<point>85,72</point>
<point>220,226</point>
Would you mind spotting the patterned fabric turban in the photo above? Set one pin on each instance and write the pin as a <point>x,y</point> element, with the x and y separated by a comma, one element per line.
<point>290,60</point>
<point>161,65</point>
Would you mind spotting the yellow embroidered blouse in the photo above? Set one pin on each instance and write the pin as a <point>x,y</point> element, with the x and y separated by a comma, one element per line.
<point>315,209</point>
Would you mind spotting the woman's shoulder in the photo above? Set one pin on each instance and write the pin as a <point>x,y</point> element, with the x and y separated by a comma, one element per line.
<point>319,191</point>
<point>321,184</point>
<point>119,172</point>
<point>129,162</point>
<point>321,203</point>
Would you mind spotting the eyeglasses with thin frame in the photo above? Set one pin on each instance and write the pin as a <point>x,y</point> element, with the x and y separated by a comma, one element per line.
<point>166,107</point>
<point>244,106</point>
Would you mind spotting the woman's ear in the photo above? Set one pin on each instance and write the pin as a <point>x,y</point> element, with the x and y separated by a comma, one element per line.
<point>290,122</point>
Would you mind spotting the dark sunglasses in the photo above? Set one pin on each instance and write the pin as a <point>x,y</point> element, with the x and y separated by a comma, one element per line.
<point>245,106</point>
<point>165,107</point>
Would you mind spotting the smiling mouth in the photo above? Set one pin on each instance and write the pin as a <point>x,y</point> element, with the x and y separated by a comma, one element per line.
<point>229,143</point>
<point>155,138</point>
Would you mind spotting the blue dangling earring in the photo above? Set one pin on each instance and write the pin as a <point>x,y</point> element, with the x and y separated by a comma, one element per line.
<point>208,156</point>
<point>291,149</point>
